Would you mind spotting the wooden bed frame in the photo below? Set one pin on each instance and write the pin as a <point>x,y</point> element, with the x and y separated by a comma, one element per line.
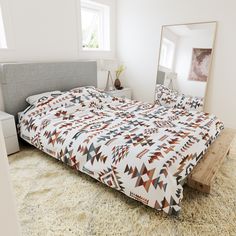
<point>203,175</point>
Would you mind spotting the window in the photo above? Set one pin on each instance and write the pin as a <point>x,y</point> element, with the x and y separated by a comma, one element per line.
<point>167,53</point>
<point>3,42</point>
<point>95,19</point>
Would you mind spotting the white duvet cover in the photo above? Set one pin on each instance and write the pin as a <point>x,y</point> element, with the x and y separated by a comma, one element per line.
<point>140,149</point>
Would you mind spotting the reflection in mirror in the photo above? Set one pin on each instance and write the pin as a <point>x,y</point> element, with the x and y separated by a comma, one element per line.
<point>184,65</point>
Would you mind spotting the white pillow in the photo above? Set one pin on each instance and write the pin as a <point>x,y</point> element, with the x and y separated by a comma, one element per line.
<point>36,98</point>
<point>168,98</point>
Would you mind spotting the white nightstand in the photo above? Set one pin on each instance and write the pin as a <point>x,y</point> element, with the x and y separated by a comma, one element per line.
<point>123,93</point>
<point>9,132</point>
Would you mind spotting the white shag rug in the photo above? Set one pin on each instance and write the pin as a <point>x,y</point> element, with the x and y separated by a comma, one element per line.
<point>52,199</point>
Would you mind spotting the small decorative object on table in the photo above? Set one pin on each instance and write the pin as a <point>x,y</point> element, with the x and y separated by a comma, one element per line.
<point>109,85</point>
<point>119,71</point>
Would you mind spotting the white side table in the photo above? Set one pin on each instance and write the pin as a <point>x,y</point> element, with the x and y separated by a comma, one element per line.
<point>9,132</point>
<point>123,93</point>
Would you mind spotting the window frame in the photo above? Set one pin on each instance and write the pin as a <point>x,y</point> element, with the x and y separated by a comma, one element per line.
<point>9,32</point>
<point>99,53</point>
<point>104,31</point>
<point>168,43</point>
<point>3,39</point>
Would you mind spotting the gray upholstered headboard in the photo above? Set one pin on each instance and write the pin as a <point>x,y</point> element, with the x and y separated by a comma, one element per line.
<point>20,80</point>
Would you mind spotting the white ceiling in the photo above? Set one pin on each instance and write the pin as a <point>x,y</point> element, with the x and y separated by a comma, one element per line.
<point>185,30</point>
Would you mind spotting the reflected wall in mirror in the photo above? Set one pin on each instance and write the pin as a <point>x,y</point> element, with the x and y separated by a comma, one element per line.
<point>184,65</point>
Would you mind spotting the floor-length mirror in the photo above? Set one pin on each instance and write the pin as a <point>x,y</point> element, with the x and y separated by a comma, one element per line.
<point>185,57</point>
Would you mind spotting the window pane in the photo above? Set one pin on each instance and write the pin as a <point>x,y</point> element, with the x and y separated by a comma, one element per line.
<point>167,53</point>
<point>90,27</point>
<point>3,43</point>
<point>95,20</point>
<point>163,55</point>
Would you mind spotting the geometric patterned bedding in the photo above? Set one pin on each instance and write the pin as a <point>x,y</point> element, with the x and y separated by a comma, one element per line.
<point>141,149</point>
<point>169,98</point>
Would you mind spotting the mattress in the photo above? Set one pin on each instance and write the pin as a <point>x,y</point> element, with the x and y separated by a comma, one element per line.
<point>142,150</point>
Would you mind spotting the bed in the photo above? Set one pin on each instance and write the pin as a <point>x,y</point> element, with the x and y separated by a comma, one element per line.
<point>143,150</point>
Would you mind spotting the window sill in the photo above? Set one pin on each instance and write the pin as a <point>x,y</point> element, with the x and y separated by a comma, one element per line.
<point>96,54</point>
<point>95,50</point>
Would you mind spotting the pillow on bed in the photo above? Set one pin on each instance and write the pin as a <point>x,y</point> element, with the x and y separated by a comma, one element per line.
<point>189,103</point>
<point>42,96</point>
<point>169,98</point>
<point>165,96</point>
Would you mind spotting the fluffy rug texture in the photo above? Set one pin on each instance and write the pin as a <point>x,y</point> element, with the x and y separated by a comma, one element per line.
<point>52,199</point>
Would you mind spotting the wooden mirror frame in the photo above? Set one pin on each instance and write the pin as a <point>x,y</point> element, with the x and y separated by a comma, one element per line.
<point>211,59</point>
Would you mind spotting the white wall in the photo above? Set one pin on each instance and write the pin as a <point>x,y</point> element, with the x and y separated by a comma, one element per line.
<point>197,39</point>
<point>43,30</point>
<point>47,30</point>
<point>139,26</point>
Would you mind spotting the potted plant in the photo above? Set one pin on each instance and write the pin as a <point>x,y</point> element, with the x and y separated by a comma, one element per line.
<point>119,71</point>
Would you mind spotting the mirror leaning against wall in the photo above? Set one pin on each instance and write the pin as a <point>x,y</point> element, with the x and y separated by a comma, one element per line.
<point>185,57</point>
